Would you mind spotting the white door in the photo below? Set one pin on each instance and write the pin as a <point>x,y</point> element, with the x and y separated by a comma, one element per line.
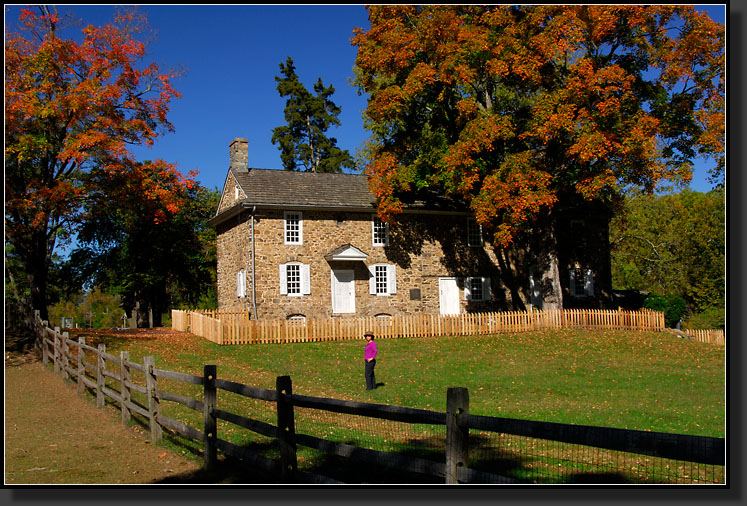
<point>343,291</point>
<point>448,296</point>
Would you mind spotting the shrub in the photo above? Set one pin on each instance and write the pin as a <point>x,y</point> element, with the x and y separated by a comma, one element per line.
<point>712,318</point>
<point>672,306</point>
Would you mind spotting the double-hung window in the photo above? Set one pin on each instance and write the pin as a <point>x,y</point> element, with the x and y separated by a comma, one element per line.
<point>294,279</point>
<point>383,279</point>
<point>474,234</point>
<point>581,282</point>
<point>380,232</point>
<point>477,289</point>
<point>293,229</point>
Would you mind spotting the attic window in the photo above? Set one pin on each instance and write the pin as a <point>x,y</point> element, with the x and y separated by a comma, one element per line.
<point>236,192</point>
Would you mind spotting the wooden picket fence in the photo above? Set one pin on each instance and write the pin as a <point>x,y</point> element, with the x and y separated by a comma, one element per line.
<point>238,327</point>
<point>140,392</point>
<point>711,336</point>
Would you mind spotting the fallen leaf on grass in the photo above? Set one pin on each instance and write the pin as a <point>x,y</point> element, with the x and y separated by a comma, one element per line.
<point>162,455</point>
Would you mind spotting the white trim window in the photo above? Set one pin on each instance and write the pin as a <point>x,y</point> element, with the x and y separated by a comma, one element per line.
<point>474,234</point>
<point>581,282</point>
<point>293,227</point>
<point>383,279</point>
<point>294,279</point>
<point>236,192</point>
<point>379,232</point>
<point>477,289</point>
<point>241,284</point>
<point>296,320</point>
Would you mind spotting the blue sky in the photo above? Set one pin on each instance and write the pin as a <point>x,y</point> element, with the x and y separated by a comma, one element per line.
<point>231,54</point>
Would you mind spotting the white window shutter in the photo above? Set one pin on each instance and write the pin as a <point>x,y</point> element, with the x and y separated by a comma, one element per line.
<point>486,294</point>
<point>392,281</point>
<point>467,288</point>
<point>572,287</point>
<point>589,283</point>
<point>283,280</point>
<point>239,284</point>
<point>305,279</point>
<point>372,279</point>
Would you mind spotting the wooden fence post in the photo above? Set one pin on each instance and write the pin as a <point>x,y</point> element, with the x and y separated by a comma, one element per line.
<point>124,390</point>
<point>286,428</point>
<point>57,349</point>
<point>457,406</point>
<point>81,366</point>
<point>150,386</point>
<point>209,402</point>
<point>100,365</point>
<point>45,349</point>
<point>65,355</point>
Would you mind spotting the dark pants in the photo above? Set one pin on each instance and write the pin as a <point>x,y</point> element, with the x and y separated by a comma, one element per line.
<point>370,378</point>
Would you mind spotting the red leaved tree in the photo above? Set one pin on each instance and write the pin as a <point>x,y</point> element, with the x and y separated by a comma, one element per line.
<point>72,109</point>
<point>517,109</point>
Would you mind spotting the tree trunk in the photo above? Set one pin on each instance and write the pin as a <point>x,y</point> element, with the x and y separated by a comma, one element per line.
<point>547,263</point>
<point>141,308</point>
<point>36,263</point>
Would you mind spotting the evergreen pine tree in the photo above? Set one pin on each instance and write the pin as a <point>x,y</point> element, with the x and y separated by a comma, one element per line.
<point>303,142</point>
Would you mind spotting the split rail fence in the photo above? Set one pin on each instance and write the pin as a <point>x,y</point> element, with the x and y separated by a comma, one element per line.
<point>238,328</point>
<point>142,389</point>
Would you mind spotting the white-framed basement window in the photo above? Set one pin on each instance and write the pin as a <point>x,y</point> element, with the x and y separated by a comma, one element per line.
<point>293,227</point>
<point>296,320</point>
<point>581,282</point>
<point>477,289</point>
<point>241,284</point>
<point>474,233</point>
<point>294,279</point>
<point>379,232</point>
<point>383,279</point>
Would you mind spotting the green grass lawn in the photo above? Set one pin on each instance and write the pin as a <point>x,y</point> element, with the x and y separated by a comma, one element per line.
<point>631,380</point>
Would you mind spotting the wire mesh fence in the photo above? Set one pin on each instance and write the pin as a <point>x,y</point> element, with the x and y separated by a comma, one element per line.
<point>543,461</point>
<point>353,442</point>
<point>418,447</point>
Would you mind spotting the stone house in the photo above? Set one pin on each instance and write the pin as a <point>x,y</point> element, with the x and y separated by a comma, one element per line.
<point>309,245</point>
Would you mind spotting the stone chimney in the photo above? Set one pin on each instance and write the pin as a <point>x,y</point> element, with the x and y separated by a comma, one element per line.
<point>238,152</point>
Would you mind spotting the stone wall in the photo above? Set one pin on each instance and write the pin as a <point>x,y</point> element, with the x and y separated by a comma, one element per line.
<point>228,197</point>
<point>423,247</point>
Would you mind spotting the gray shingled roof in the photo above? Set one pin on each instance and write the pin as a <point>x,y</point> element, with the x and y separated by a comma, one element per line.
<point>282,187</point>
<point>269,187</point>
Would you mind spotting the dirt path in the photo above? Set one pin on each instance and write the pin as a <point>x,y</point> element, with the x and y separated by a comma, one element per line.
<point>55,436</point>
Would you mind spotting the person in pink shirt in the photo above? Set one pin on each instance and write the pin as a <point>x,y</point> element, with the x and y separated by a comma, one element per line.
<point>370,358</point>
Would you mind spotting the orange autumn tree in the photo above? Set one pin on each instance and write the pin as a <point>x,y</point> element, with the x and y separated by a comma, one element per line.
<point>516,110</point>
<point>72,109</point>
